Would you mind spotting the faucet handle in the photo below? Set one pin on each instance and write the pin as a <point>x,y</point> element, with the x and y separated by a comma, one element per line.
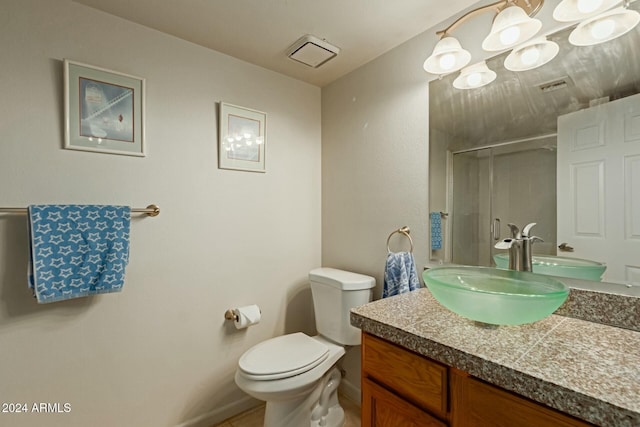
<point>504,244</point>
<point>527,228</point>
<point>515,231</point>
<point>534,239</point>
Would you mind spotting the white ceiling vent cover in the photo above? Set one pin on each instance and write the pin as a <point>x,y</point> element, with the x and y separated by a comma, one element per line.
<point>312,51</point>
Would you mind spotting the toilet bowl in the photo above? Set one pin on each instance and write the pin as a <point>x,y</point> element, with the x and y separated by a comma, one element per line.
<point>291,395</point>
<point>296,374</point>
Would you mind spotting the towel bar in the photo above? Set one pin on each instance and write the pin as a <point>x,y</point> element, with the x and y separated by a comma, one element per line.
<point>402,230</point>
<point>151,210</point>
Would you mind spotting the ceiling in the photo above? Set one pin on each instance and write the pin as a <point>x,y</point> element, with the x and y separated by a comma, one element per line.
<point>261,31</point>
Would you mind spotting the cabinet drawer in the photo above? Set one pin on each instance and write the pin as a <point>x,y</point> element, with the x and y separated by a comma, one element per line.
<point>478,404</point>
<point>381,408</point>
<point>411,376</point>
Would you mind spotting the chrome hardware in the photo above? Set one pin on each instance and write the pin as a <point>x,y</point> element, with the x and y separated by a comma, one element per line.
<point>230,315</point>
<point>515,248</point>
<point>495,229</point>
<point>564,247</point>
<point>520,253</point>
<point>402,230</point>
<point>151,210</point>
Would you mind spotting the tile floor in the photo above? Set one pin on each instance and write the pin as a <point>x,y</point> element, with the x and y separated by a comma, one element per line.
<point>255,417</point>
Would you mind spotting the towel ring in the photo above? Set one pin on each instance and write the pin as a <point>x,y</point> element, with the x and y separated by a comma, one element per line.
<point>403,230</point>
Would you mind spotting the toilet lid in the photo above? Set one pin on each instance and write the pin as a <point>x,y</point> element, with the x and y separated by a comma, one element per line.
<point>283,357</point>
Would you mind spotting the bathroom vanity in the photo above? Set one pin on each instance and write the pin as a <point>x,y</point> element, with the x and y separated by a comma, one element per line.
<point>423,365</point>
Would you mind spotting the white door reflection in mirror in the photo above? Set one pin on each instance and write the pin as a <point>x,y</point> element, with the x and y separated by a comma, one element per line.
<point>598,179</point>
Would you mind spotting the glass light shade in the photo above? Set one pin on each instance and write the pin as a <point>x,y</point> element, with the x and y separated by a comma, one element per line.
<point>511,27</point>
<point>577,10</point>
<point>474,76</point>
<point>531,54</point>
<point>604,27</point>
<point>448,56</point>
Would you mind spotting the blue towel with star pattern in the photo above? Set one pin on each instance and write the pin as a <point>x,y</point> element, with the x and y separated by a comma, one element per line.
<point>77,250</point>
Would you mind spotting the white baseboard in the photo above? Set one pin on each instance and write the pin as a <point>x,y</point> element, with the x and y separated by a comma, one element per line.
<point>220,414</point>
<point>350,391</point>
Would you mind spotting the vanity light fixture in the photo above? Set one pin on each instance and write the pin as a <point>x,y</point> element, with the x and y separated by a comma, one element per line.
<point>512,26</point>
<point>448,56</point>
<point>531,54</point>
<point>604,27</point>
<point>474,76</point>
<point>577,10</point>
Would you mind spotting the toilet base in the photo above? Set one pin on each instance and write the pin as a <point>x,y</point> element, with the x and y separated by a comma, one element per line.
<point>318,409</point>
<point>334,418</point>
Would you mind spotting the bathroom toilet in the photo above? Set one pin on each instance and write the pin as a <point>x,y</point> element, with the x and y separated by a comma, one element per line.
<point>296,374</point>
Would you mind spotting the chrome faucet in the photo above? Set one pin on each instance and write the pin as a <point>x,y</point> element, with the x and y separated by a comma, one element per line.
<point>519,245</point>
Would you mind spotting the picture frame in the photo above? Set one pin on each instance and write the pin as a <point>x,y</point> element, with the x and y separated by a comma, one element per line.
<point>104,110</point>
<point>243,138</point>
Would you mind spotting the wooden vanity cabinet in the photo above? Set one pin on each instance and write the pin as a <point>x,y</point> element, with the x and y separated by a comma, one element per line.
<point>417,378</point>
<point>404,389</point>
<point>384,408</point>
<point>401,388</point>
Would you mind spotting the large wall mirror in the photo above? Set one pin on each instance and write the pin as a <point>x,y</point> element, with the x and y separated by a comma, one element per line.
<point>498,156</point>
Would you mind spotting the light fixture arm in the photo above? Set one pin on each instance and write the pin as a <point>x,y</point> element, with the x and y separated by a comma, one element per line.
<point>530,6</point>
<point>473,13</point>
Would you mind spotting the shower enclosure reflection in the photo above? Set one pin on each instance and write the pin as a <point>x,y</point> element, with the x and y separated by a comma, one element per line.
<point>511,182</point>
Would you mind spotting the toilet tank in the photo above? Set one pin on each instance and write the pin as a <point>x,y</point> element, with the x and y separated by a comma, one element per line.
<point>335,292</point>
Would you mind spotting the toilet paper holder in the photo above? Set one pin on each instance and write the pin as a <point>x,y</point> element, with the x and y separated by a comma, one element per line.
<point>230,315</point>
<point>244,317</point>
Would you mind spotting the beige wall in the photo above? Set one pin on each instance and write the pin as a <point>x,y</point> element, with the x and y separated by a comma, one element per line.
<point>160,352</point>
<point>375,153</point>
<point>375,158</point>
<point>374,168</point>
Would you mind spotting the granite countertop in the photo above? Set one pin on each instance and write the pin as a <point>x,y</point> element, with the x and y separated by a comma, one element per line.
<point>582,368</point>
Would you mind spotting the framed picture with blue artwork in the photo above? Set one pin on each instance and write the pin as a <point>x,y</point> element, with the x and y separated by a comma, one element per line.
<point>104,110</point>
<point>243,138</point>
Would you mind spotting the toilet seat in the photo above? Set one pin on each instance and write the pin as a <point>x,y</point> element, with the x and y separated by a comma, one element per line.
<point>282,357</point>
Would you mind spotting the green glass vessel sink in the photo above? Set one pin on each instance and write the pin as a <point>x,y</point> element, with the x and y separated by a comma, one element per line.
<point>495,296</point>
<point>574,268</point>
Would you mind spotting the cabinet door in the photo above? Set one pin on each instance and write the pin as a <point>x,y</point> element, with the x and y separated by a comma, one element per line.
<point>381,408</point>
<point>416,378</point>
<point>478,404</point>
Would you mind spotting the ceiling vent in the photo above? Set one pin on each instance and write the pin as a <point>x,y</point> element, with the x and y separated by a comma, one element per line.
<point>554,85</point>
<point>311,51</point>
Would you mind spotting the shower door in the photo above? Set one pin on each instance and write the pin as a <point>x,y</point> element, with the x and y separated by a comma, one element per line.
<point>470,210</point>
<point>492,187</point>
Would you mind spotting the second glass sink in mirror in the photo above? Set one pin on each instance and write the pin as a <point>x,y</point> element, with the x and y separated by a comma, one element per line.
<point>551,265</point>
<point>496,296</point>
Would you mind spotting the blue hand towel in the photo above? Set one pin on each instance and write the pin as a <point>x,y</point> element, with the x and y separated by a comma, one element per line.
<point>400,274</point>
<point>436,230</point>
<point>77,250</point>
